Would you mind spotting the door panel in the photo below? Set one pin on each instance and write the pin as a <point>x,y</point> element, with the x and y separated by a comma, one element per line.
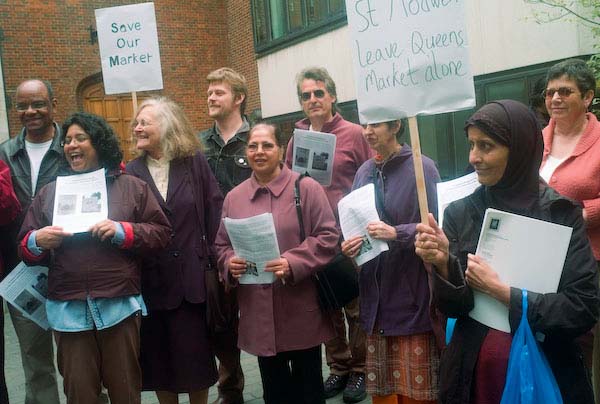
<point>117,110</point>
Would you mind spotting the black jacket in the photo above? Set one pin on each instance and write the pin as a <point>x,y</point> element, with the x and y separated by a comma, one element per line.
<point>561,316</point>
<point>228,162</point>
<point>14,154</point>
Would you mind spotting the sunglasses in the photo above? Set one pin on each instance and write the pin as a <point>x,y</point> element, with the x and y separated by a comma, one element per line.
<point>563,92</point>
<point>318,94</point>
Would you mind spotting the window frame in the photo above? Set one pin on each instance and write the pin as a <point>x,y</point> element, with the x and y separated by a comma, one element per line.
<point>291,37</point>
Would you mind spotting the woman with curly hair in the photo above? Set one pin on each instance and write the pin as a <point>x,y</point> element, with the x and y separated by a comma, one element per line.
<point>94,284</point>
<point>176,354</point>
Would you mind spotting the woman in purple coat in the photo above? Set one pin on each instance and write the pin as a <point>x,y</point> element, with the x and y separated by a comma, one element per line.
<point>281,322</point>
<point>402,356</point>
<point>176,355</point>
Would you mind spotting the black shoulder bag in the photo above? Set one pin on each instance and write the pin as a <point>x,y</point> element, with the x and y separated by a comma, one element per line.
<point>337,282</point>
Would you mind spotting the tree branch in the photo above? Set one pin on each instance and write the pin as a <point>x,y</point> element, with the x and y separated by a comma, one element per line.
<point>565,9</point>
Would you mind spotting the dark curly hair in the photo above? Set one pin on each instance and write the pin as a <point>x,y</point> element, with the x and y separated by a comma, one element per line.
<point>102,136</point>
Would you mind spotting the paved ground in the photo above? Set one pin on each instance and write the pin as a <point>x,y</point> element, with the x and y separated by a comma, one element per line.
<point>16,383</point>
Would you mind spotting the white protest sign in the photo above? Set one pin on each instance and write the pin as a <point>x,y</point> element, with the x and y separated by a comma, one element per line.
<point>129,48</point>
<point>410,57</point>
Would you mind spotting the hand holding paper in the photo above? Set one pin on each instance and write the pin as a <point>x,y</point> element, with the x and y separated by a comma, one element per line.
<point>381,231</point>
<point>104,230</point>
<point>50,237</point>
<point>280,267</point>
<point>237,267</point>
<point>351,247</point>
<point>481,276</point>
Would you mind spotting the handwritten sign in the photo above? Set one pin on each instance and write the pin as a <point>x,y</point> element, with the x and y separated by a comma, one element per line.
<point>410,57</point>
<point>129,48</point>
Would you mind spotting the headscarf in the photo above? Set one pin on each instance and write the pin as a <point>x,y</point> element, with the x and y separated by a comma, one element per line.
<point>513,125</point>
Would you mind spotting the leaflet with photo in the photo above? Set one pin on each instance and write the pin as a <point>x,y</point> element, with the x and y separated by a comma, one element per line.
<point>26,288</point>
<point>313,154</point>
<point>80,201</point>
<point>255,240</point>
<point>526,253</point>
<point>356,211</point>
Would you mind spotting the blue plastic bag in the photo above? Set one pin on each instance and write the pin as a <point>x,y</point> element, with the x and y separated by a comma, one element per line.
<point>529,379</point>
<point>450,323</point>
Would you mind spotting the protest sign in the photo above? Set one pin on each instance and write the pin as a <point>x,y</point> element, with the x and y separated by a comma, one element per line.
<point>129,50</point>
<point>410,57</point>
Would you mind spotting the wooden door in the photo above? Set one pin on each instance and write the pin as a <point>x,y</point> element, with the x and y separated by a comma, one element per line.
<point>117,110</point>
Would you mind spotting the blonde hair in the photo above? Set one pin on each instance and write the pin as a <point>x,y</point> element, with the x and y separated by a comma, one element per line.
<point>236,81</point>
<point>177,138</point>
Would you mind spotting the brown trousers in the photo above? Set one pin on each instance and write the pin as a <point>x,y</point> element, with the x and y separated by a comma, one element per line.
<point>347,355</point>
<point>88,359</point>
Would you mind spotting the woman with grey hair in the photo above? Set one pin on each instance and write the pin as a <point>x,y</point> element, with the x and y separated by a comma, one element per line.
<point>176,355</point>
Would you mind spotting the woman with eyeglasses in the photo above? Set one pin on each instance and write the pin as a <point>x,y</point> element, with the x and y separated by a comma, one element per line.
<point>394,287</point>
<point>280,322</point>
<point>94,288</point>
<point>571,162</point>
<point>176,354</point>
<point>506,152</point>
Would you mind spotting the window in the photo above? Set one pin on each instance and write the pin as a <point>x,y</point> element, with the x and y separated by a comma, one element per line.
<point>278,23</point>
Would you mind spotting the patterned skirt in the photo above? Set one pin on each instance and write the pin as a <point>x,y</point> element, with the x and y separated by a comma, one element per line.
<point>407,365</point>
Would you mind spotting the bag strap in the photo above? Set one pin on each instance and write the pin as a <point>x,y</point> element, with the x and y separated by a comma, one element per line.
<point>524,302</point>
<point>299,207</point>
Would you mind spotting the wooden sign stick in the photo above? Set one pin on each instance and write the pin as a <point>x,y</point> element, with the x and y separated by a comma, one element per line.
<point>418,162</point>
<point>134,103</point>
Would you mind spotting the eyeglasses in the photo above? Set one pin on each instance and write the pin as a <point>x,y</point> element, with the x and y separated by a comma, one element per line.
<point>563,92</point>
<point>36,105</point>
<point>318,94</point>
<point>78,138</point>
<point>143,123</point>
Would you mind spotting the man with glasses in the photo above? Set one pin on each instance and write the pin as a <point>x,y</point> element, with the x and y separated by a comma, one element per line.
<point>34,157</point>
<point>317,95</point>
<point>225,148</point>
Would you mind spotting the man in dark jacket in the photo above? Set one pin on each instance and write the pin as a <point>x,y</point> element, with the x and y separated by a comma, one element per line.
<point>34,157</point>
<point>225,148</point>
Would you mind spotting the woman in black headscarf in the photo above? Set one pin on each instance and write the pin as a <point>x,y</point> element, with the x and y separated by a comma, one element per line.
<point>506,151</point>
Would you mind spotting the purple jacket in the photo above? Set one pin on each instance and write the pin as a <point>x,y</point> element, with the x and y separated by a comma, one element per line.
<point>394,287</point>
<point>351,151</point>
<point>176,273</point>
<point>276,317</point>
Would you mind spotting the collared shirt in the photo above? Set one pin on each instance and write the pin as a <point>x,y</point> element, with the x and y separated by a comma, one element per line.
<point>159,170</point>
<point>227,161</point>
<point>100,313</point>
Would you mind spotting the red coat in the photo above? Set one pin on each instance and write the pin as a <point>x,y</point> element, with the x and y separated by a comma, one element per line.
<point>9,204</point>
<point>276,317</point>
<point>82,265</point>
<point>577,176</point>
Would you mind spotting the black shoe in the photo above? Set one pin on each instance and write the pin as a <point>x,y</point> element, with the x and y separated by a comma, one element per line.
<point>355,390</point>
<point>334,385</point>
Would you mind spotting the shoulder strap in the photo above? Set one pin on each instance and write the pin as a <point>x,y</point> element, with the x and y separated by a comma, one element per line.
<point>299,207</point>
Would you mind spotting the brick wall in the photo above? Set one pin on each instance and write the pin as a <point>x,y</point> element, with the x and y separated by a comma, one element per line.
<point>51,40</point>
